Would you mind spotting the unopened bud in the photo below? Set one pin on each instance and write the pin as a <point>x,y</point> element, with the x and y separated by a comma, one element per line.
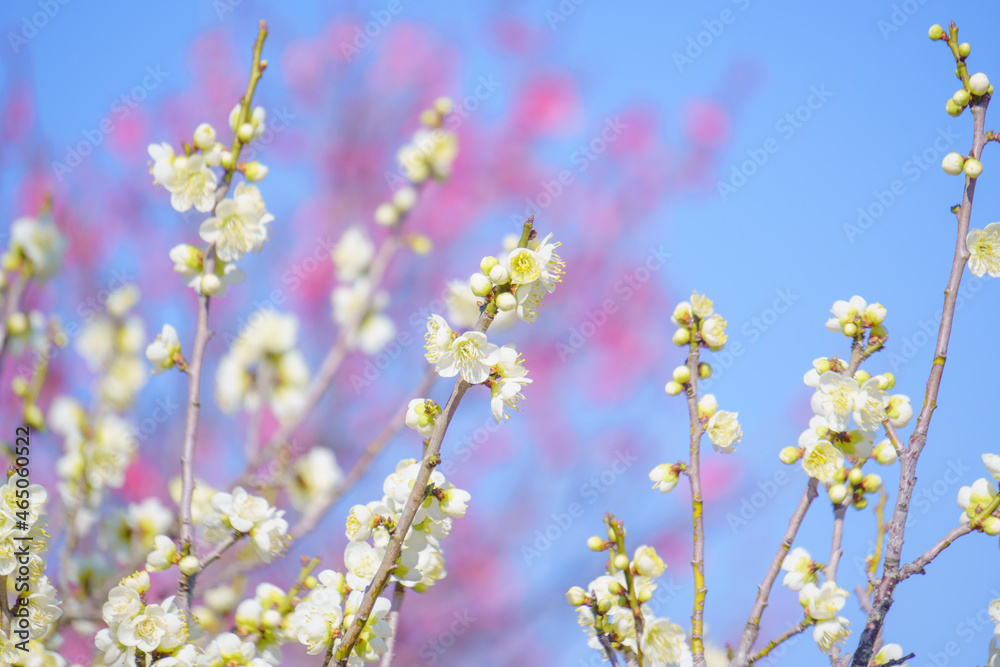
<point>245,132</point>
<point>961,97</point>
<point>953,163</point>
<point>576,596</point>
<point>595,543</point>
<point>682,337</point>
<point>189,565</point>
<point>33,416</point>
<point>838,494</point>
<point>936,32</point>
<point>673,388</point>
<point>790,455</point>
<point>487,264</point>
<point>855,476</point>
<point>506,301</point>
<point>621,562</point>
<point>964,49</point>
<point>500,275</point>
<point>480,284</point>
<point>979,84</point>
<point>871,483</point>
<point>704,370</point>
<point>682,374</point>
<point>973,168</point>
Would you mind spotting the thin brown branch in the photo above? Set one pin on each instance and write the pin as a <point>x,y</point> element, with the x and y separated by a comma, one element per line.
<point>918,439</point>
<point>785,636</point>
<point>697,507</point>
<point>752,628</point>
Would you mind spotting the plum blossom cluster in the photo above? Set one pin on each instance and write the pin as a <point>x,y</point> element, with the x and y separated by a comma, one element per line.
<point>850,410</point>
<point>238,224</point>
<point>23,521</point>
<point>979,502</point>
<point>264,367</point>
<point>137,629</point>
<point>613,609</point>
<point>516,284</point>
<point>822,602</point>
<point>429,154</point>
<point>240,514</point>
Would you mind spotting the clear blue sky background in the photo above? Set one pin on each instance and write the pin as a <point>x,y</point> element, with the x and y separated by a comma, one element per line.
<point>787,230</point>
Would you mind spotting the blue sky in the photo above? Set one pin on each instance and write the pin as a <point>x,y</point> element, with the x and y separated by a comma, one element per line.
<point>869,89</point>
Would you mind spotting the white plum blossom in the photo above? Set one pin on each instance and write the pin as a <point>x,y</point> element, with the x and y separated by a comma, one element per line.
<point>511,379</point>
<point>647,562</point>
<point>974,499</point>
<point>724,431</point>
<point>984,250</point>
<point>713,332</point>
<point>822,604</point>
<point>161,352</point>
<point>664,477</point>
<point>844,312</point>
<point>665,643</point>
<point>314,478</point>
<point>470,355</point>
<point>353,254</point>
<point>438,338</point>
<point>41,243</point>
<point>240,224</point>
<point>799,568</point>
<point>888,653</point>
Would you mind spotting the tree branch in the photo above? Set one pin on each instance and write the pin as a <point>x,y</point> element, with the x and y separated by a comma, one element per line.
<point>697,508</point>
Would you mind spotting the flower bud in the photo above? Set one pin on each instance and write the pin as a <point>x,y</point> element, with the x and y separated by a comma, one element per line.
<point>271,618</point>
<point>386,214</point>
<point>964,49</point>
<point>227,161</point>
<point>254,171</point>
<point>211,284</point>
<point>19,386</point>
<point>838,494</point>
<point>595,543</point>
<point>973,167</point>
<point>991,525</point>
<point>979,84</point>
<point>17,324</point>
<point>682,337</point>
<point>245,132</point>
<point>430,117</point>
<point>823,365</point>
<point>707,406</point>
<point>860,503</point>
<point>936,32</point>
<point>443,105</point>
<point>875,314</point>
<point>480,284</point>
<point>506,301</point>
<point>33,416</point>
<point>952,108</point>
<point>682,313</point>
<point>871,483</point>
<point>487,264</point>
<point>500,275</point>
<point>862,376</point>
<point>615,588</point>
<point>604,605</point>
<point>645,595</point>
<point>704,370</point>
<point>621,562</point>
<point>961,97</point>
<point>855,476</point>
<point>953,163</point>
<point>885,453</point>
<point>682,374</point>
<point>204,136</point>
<point>576,596</point>
<point>673,388</point>
<point>189,565</point>
<point>851,329</point>
<point>889,381</point>
<point>404,199</point>
<point>790,455</point>
<point>880,331</point>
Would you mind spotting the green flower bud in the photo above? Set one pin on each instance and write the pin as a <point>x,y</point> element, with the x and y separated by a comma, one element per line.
<point>790,455</point>
<point>595,543</point>
<point>837,493</point>
<point>33,416</point>
<point>682,374</point>
<point>576,596</point>
<point>682,337</point>
<point>871,483</point>
<point>979,84</point>
<point>961,98</point>
<point>953,164</point>
<point>704,370</point>
<point>973,168</point>
<point>855,476</point>
<point>621,562</point>
<point>964,49</point>
<point>673,388</point>
<point>936,32</point>
<point>487,264</point>
<point>952,108</point>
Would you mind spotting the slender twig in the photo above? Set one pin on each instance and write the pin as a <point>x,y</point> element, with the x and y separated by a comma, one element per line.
<point>890,431</point>
<point>752,628</point>
<point>4,606</point>
<point>631,594</point>
<point>432,457</point>
<point>220,549</point>
<point>919,563</point>
<point>390,641</point>
<point>782,638</point>
<point>202,334</point>
<point>697,509</point>
<point>838,535</point>
<point>918,439</point>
